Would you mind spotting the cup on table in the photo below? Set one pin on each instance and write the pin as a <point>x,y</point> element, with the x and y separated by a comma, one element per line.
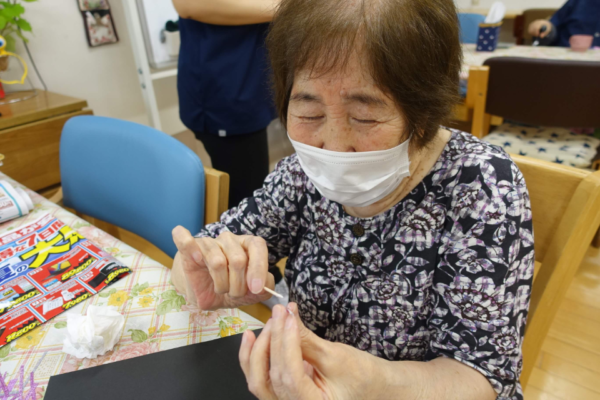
<point>581,42</point>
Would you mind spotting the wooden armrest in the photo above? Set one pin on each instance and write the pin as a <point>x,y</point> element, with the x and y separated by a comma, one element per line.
<point>217,194</point>
<point>57,197</point>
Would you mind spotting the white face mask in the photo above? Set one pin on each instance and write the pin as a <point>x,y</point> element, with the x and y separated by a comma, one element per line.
<point>354,179</point>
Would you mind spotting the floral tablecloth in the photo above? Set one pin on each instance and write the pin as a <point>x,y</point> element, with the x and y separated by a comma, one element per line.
<point>156,316</point>
<point>475,58</point>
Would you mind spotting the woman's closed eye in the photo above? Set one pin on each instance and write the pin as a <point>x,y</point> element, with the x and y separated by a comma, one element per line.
<point>365,121</point>
<point>311,118</point>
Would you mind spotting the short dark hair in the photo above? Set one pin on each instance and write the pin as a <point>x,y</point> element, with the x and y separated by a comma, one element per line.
<point>411,48</point>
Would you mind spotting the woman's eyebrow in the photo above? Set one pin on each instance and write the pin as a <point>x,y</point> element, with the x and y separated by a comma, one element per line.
<point>365,99</point>
<point>306,97</point>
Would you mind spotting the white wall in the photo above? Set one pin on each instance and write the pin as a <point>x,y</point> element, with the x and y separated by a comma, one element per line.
<point>105,76</point>
<point>512,4</point>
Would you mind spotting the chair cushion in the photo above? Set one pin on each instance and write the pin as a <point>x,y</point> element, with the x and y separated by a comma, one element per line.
<point>557,145</point>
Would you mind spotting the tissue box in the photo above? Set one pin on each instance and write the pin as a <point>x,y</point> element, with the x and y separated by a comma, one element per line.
<point>487,38</point>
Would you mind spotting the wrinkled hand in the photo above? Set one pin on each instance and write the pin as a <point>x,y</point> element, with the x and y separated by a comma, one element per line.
<point>287,361</point>
<point>226,272</point>
<point>536,26</point>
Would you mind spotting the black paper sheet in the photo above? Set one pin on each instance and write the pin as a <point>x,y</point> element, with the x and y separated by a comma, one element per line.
<point>209,370</point>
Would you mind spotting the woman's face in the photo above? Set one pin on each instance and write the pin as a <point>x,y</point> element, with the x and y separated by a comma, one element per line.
<point>344,111</point>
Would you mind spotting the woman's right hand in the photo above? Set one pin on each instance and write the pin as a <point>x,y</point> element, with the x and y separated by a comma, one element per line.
<point>536,26</point>
<point>226,272</point>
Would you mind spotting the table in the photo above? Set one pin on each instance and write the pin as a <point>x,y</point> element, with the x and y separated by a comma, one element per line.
<point>473,58</point>
<point>476,77</point>
<point>30,135</point>
<point>156,316</point>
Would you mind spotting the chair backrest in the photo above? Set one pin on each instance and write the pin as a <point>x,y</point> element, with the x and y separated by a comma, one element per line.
<point>531,15</point>
<point>469,26</point>
<point>560,93</point>
<point>132,176</point>
<point>565,204</point>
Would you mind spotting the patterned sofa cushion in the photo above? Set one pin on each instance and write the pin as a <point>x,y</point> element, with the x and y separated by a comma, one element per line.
<point>557,145</point>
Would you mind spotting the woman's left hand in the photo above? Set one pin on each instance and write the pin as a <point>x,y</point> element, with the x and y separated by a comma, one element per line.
<point>288,361</point>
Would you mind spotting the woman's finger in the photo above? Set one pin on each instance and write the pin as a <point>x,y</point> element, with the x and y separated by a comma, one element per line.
<point>309,370</point>
<point>292,350</point>
<point>258,262</point>
<point>287,368</point>
<point>313,347</point>
<point>216,262</point>
<point>258,379</point>
<point>248,340</point>
<point>237,261</point>
<point>187,246</point>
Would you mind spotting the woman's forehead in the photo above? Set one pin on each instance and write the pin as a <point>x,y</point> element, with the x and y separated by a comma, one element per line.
<point>351,75</point>
<point>349,85</point>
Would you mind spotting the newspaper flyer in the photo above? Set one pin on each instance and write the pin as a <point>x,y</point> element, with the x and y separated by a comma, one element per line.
<point>45,269</point>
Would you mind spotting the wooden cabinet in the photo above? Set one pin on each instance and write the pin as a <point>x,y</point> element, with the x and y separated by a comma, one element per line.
<point>30,137</point>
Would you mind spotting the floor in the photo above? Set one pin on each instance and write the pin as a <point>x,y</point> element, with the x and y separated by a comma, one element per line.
<point>569,366</point>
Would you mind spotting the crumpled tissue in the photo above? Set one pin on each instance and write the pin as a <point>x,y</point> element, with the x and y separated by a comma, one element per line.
<point>94,334</point>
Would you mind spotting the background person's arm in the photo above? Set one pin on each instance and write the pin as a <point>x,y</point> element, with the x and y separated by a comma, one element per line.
<point>227,12</point>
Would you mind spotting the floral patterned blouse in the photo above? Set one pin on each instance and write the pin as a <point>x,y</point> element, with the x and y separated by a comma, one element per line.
<point>445,272</point>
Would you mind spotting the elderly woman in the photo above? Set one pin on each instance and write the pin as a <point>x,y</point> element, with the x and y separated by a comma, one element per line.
<point>410,248</point>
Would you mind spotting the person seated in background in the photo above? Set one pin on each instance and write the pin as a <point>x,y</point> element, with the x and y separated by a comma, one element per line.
<point>576,17</point>
<point>409,245</point>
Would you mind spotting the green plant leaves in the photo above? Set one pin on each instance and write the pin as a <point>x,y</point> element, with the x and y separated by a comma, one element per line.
<point>11,11</point>
<point>10,42</point>
<point>3,21</point>
<point>19,34</point>
<point>24,24</point>
<point>138,336</point>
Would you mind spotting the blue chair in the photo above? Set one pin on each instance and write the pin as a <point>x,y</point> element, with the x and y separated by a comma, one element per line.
<point>469,26</point>
<point>137,178</point>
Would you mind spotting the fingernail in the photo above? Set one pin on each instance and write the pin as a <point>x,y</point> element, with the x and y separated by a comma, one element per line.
<point>257,285</point>
<point>244,337</point>
<point>289,324</point>
<point>289,310</point>
<point>276,312</point>
<point>197,256</point>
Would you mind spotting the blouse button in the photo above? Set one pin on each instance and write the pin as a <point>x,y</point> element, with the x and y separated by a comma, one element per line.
<point>356,259</point>
<point>358,230</point>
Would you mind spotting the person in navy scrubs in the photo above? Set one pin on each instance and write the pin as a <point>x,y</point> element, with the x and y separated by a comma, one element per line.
<point>576,17</point>
<point>225,96</point>
<point>224,86</point>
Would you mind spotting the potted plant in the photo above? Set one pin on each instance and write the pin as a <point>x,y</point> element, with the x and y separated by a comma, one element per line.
<point>12,23</point>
